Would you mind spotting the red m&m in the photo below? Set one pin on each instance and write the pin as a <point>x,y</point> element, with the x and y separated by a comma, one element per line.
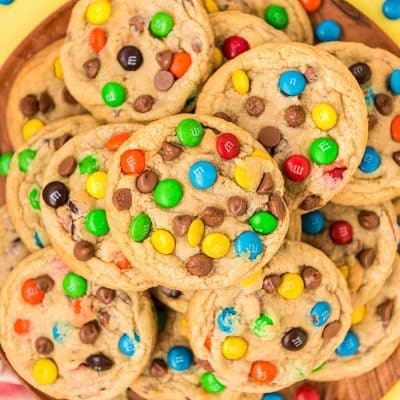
<point>228,146</point>
<point>341,232</point>
<point>296,168</point>
<point>307,392</point>
<point>233,46</point>
<point>31,293</point>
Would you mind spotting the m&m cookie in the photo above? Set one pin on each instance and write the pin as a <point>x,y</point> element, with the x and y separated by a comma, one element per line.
<point>361,241</point>
<point>195,202</point>
<point>38,95</point>
<point>377,71</point>
<point>304,107</point>
<point>288,16</point>
<point>70,338</point>
<point>72,202</point>
<point>137,61</point>
<point>276,334</point>
<point>25,176</point>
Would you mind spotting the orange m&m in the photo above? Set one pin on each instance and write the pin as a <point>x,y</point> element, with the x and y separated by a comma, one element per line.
<point>116,140</point>
<point>395,128</point>
<point>311,5</point>
<point>262,372</point>
<point>132,162</point>
<point>97,39</point>
<point>31,293</point>
<point>181,62</point>
<point>22,326</point>
<point>122,262</point>
<point>207,342</point>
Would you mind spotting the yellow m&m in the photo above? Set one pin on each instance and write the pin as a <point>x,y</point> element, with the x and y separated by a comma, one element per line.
<point>96,184</point>
<point>31,128</point>
<point>218,58</point>
<point>324,116</point>
<point>291,287</point>
<point>195,232</point>
<point>261,154</point>
<point>358,315</point>
<point>98,12</point>
<point>243,177</point>
<point>252,278</point>
<point>240,81</point>
<point>45,371</point>
<point>216,245</point>
<point>163,241</point>
<point>57,68</point>
<point>234,347</point>
<point>345,271</point>
<point>211,6</point>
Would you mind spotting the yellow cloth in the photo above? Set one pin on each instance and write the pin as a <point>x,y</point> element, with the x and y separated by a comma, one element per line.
<point>393,394</point>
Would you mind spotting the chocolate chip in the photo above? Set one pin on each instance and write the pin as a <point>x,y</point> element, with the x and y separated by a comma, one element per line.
<point>366,257</point>
<point>73,207</point>
<point>61,140</point>
<point>269,136</point>
<point>295,116</point>
<point>158,368</point>
<point>143,103</point>
<point>385,311</point>
<point>222,115</point>
<point>205,365</point>
<point>312,278</point>
<point>67,166</point>
<point>146,181</point>
<point>138,23</point>
<point>89,332</point>
<point>197,45</point>
<point>46,103</point>
<point>122,199</point>
<point>384,103</point>
<point>104,318</point>
<point>173,293</point>
<point>212,216</point>
<point>331,330</point>
<point>310,202</point>
<point>45,283</point>
<point>311,74</point>
<point>84,250</point>
<point>105,295</point>
<point>164,59</point>
<point>55,194</point>
<point>131,395</point>
<point>92,67</point>
<point>99,362</point>
<point>368,219</point>
<point>68,98</point>
<point>265,185</point>
<point>163,80</point>
<point>361,71</point>
<point>199,265</point>
<point>170,152</point>
<point>180,224</point>
<point>372,121</point>
<point>396,157</point>
<point>271,283</point>
<point>276,206</point>
<point>29,105</point>
<point>237,205</point>
<point>294,340</point>
<point>44,345</point>
<point>255,106</point>
<point>130,58</point>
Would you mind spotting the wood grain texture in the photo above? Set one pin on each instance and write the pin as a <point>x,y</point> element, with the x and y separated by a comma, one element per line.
<point>356,27</point>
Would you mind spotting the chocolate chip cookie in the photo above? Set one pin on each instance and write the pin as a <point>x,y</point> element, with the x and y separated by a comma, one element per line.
<point>174,299</point>
<point>306,109</point>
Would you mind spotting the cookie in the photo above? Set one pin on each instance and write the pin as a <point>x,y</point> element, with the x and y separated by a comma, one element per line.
<point>377,179</point>
<point>38,95</point>
<point>276,334</point>
<point>126,61</point>
<point>373,337</point>
<point>361,241</point>
<point>236,32</point>
<point>172,298</point>
<point>304,106</point>
<point>286,15</point>
<point>73,208</point>
<point>12,249</point>
<point>195,202</point>
<point>63,332</point>
<point>25,177</point>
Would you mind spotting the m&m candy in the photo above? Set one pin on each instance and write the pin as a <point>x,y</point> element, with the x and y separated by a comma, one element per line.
<point>113,94</point>
<point>98,12</point>
<point>45,371</point>
<point>161,24</point>
<point>358,314</point>
<point>324,116</point>
<point>394,81</point>
<point>126,345</point>
<point>163,241</point>
<point>311,5</point>
<point>371,161</point>
<point>296,168</point>
<point>189,132</point>
<point>211,384</point>
<point>140,227</point>
<point>248,244</point>
<point>233,46</point>
<point>115,141</point>
<point>227,320</point>
<point>24,159</point>
<point>57,69</point>
<point>341,232</point>
<point>202,175</point>
<point>180,358</point>
<point>168,193</point>
<point>228,146</point>
<point>307,392</point>
<point>34,198</point>
<point>96,222</point>
<point>320,313</point>
<point>261,326</point>
<point>328,31</point>
<point>6,2</point>
<point>195,232</point>
<point>96,184</point>
<point>263,372</point>
<point>313,222</point>
<point>391,9</point>
<point>5,161</point>
<point>276,16</point>
<point>88,165</point>
<point>22,326</point>
<point>324,151</point>
<point>394,131</point>
<point>263,222</point>
<point>132,162</point>
<point>74,285</point>
<point>272,396</point>
<point>216,245</point>
<point>234,348</point>
<point>60,331</point>
<point>31,293</point>
<point>181,62</point>
<point>292,83</point>
<point>240,81</point>
<point>349,346</point>
<point>97,39</point>
<point>31,128</point>
<point>291,286</point>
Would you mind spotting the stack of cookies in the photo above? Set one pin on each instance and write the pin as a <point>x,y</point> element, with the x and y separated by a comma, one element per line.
<point>207,202</point>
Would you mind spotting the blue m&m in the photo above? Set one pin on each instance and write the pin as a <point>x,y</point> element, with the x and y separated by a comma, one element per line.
<point>371,161</point>
<point>248,243</point>
<point>320,313</point>
<point>60,331</point>
<point>313,222</point>
<point>394,80</point>
<point>391,9</point>
<point>6,2</point>
<point>349,346</point>
<point>202,174</point>
<point>127,344</point>
<point>180,358</point>
<point>328,31</point>
<point>272,396</point>
<point>292,83</point>
<point>227,320</point>
<point>38,240</point>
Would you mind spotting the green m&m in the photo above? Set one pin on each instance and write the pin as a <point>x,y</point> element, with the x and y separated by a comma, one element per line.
<point>34,198</point>
<point>5,161</point>
<point>168,193</point>
<point>210,383</point>
<point>140,227</point>
<point>324,151</point>
<point>263,222</point>
<point>276,16</point>
<point>189,132</point>
<point>74,285</point>
<point>161,24</point>
<point>88,165</point>
<point>25,158</point>
<point>96,222</point>
<point>261,326</point>
<point>113,94</point>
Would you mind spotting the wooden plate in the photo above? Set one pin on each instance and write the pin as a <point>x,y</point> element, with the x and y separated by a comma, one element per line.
<point>356,27</point>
